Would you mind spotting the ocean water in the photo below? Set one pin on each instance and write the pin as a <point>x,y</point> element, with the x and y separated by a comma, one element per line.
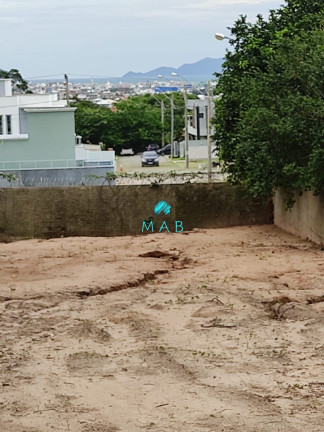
<point>118,80</point>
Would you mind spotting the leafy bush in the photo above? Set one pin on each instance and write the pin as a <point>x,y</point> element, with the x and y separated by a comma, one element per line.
<point>269,124</point>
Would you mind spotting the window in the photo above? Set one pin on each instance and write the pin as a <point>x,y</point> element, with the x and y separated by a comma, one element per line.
<point>1,128</point>
<point>8,117</point>
<point>201,115</point>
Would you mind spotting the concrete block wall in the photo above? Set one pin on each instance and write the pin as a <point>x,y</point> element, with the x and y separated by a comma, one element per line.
<point>120,210</point>
<point>305,219</point>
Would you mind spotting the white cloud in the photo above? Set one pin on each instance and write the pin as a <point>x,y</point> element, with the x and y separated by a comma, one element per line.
<point>141,8</point>
<point>212,4</point>
<point>184,9</point>
<point>11,20</point>
<point>115,35</point>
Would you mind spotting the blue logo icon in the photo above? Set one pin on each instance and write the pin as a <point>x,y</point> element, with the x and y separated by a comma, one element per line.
<point>162,206</point>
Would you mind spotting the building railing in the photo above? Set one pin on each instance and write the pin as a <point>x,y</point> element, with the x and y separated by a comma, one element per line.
<point>13,137</point>
<point>90,163</point>
<point>53,164</point>
<point>41,164</point>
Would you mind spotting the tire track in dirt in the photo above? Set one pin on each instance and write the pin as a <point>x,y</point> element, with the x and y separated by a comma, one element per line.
<point>196,349</point>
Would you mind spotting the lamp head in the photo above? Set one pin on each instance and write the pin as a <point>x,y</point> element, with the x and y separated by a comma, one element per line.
<point>219,36</point>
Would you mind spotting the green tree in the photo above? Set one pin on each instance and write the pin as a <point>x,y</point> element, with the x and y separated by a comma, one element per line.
<point>136,121</point>
<point>19,84</point>
<point>269,126</point>
<point>93,121</point>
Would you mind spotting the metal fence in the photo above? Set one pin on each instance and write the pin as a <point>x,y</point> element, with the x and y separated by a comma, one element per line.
<point>54,177</point>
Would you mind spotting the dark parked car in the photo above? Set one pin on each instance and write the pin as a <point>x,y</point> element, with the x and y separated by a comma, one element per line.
<point>166,150</point>
<point>153,147</point>
<point>150,158</point>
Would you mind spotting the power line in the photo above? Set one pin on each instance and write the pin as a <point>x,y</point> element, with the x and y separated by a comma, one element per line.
<point>70,74</point>
<point>44,76</point>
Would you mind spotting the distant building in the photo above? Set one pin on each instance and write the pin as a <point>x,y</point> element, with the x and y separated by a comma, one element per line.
<point>198,118</point>
<point>197,122</point>
<point>166,89</point>
<point>107,103</point>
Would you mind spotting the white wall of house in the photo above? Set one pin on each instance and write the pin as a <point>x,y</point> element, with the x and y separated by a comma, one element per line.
<point>5,87</point>
<point>35,130</point>
<point>12,118</point>
<point>97,157</point>
<point>198,149</point>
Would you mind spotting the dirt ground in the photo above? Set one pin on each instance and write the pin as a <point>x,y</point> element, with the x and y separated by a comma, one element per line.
<point>212,330</point>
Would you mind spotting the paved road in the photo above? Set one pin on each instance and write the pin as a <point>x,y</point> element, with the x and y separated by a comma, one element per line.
<point>133,163</point>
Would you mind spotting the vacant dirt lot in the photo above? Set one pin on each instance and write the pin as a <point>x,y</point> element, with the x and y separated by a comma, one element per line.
<point>213,330</point>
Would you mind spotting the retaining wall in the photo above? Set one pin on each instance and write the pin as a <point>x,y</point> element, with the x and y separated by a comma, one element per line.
<point>305,219</point>
<point>120,210</point>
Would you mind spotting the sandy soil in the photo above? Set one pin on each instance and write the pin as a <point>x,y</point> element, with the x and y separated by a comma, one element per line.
<point>218,330</point>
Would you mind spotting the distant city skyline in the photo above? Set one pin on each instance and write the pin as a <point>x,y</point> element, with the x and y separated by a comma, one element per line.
<point>45,38</point>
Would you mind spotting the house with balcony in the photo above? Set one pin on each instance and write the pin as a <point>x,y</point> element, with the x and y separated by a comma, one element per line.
<point>36,131</point>
<point>37,140</point>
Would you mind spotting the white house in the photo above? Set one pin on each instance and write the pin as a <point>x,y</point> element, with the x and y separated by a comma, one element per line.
<point>37,132</point>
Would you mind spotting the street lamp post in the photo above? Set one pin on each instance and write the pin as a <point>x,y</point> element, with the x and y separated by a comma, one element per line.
<point>209,110</point>
<point>172,120</point>
<point>209,152</point>
<point>172,126</point>
<point>161,102</point>
<point>209,165</point>
<point>220,36</point>
<point>162,121</point>
<point>186,128</point>
<point>185,96</point>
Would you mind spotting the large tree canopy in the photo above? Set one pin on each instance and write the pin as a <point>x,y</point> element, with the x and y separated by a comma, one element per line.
<point>135,121</point>
<point>19,84</point>
<point>269,124</point>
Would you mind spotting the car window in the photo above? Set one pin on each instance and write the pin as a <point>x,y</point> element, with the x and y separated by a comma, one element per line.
<point>150,153</point>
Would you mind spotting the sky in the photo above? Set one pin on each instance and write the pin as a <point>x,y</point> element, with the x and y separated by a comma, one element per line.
<point>108,38</point>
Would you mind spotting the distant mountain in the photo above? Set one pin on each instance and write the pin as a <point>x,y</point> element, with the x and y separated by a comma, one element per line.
<point>207,66</point>
<point>203,68</point>
<point>165,71</point>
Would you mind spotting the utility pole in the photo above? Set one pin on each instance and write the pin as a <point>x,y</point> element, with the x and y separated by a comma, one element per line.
<point>161,102</point>
<point>209,166</point>
<point>162,121</point>
<point>186,127</point>
<point>67,90</point>
<point>172,126</point>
